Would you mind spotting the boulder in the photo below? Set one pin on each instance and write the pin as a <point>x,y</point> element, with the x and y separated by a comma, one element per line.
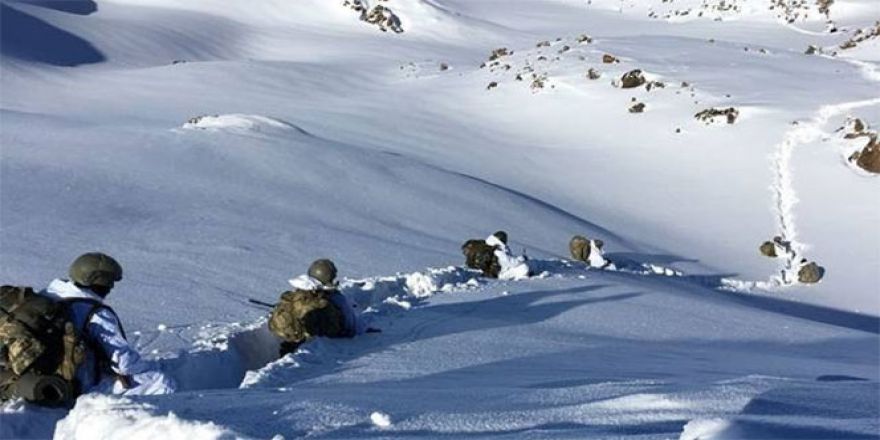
<point>632,79</point>
<point>768,249</point>
<point>868,158</point>
<point>810,273</point>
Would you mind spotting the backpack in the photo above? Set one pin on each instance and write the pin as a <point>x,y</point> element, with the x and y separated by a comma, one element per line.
<point>39,346</point>
<point>480,255</point>
<point>302,314</point>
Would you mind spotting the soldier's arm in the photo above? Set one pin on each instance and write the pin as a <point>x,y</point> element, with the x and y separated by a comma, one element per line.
<point>105,330</point>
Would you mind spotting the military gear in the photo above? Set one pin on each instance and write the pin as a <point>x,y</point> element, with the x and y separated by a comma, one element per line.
<point>42,347</point>
<point>324,271</point>
<point>480,255</point>
<point>302,314</point>
<point>46,390</point>
<point>501,235</point>
<point>95,269</point>
<point>810,273</point>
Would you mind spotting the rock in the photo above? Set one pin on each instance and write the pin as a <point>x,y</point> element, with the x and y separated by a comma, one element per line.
<point>544,43</point>
<point>492,85</point>
<point>593,74</point>
<point>500,52</point>
<point>444,67</point>
<point>584,38</point>
<point>768,249</point>
<point>868,158</point>
<point>609,59</point>
<point>654,85</point>
<point>810,273</point>
<point>538,82</point>
<point>708,115</point>
<point>384,18</point>
<point>631,79</point>
<point>638,107</point>
<point>564,49</point>
<point>812,50</point>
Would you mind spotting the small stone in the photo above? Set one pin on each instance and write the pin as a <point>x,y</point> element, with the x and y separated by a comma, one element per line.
<point>637,108</point>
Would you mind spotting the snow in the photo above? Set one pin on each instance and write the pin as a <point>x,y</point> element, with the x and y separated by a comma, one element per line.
<point>380,419</point>
<point>216,148</point>
<point>97,416</point>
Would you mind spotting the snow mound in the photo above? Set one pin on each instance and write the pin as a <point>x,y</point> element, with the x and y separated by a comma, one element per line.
<point>99,416</point>
<point>237,122</point>
<point>703,429</point>
<point>380,419</point>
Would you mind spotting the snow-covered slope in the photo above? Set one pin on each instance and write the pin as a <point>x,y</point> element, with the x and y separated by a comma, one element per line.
<point>216,147</point>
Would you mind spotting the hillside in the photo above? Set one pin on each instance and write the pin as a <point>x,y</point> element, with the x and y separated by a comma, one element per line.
<point>217,147</point>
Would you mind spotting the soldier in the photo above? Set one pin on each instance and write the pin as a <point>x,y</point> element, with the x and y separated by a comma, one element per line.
<point>510,267</point>
<point>587,250</point>
<point>97,356</point>
<point>314,307</point>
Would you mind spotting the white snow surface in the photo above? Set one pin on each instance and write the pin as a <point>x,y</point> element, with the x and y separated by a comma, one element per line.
<point>217,147</point>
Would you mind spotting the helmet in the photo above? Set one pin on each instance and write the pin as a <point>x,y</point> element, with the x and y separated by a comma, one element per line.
<point>501,235</point>
<point>324,271</point>
<point>95,269</point>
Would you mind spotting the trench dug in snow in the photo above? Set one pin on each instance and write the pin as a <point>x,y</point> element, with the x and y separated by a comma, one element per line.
<point>240,355</point>
<point>244,355</point>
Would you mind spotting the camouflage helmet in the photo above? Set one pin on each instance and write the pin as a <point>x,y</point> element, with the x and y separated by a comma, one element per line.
<point>324,271</point>
<point>501,235</point>
<point>95,269</point>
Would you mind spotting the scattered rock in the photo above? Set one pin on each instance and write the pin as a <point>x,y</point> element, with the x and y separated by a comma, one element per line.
<point>500,52</point>
<point>544,43</point>
<point>858,125</point>
<point>381,16</point>
<point>631,79</point>
<point>862,35</point>
<point>777,248</point>
<point>444,67</point>
<point>708,115</point>
<point>768,249</point>
<point>609,59</point>
<point>654,85</point>
<point>812,50</point>
<point>810,272</point>
<point>868,158</point>
<point>593,74</point>
<point>492,85</point>
<point>638,107</point>
<point>584,38</point>
<point>564,49</point>
<point>538,82</point>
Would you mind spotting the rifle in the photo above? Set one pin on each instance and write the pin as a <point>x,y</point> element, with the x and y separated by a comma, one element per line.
<point>261,303</point>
